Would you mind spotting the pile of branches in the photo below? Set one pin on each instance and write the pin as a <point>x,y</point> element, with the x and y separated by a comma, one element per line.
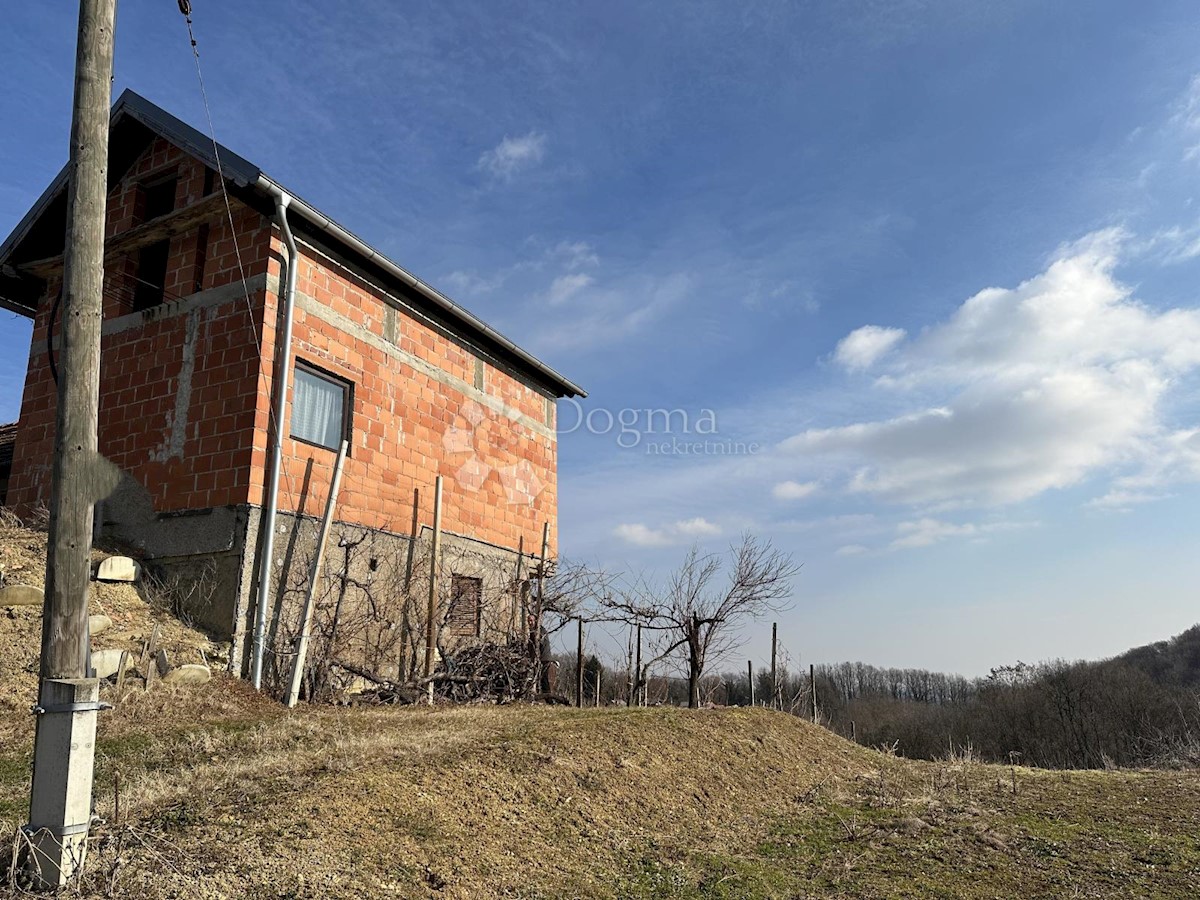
<point>481,673</point>
<point>489,673</point>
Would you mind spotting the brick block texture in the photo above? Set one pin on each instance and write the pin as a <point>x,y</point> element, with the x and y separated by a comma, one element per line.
<point>185,387</point>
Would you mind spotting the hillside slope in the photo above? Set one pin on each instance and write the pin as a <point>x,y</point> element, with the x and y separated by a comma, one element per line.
<point>23,561</point>
<point>226,795</point>
<point>223,793</point>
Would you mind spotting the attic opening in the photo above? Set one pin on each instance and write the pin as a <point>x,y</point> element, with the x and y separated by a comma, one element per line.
<point>157,198</point>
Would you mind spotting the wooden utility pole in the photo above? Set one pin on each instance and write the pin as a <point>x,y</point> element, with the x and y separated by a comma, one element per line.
<point>435,563</point>
<point>579,668</point>
<point>60,804</point>
<point>774,676</point>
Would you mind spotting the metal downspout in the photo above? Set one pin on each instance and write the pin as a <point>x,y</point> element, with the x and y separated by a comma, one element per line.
<point>282,379</point>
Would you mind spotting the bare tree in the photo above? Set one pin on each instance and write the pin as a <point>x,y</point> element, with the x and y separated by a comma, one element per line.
<point>697,613</point>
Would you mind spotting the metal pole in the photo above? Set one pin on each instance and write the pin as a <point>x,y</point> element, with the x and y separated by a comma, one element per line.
<point>60,804</point>
<point>283,375</point>
<point>335,485</point>
<point>435,554</point>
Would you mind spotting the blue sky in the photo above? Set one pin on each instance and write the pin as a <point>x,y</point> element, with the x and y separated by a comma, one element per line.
<point>935,260</point>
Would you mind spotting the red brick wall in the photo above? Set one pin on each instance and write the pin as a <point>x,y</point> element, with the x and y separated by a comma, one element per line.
<point>411,425</point>
<point>189,454</point>
<point>494,446</point>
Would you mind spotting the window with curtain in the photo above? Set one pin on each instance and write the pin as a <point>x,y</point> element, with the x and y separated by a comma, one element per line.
<point>320,405</point>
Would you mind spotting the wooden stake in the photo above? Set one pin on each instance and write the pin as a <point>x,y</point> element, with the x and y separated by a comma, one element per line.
<point>121,673</point>
<point>541,599</point>
<point>812,680</point>
<point>435,555</point>
<point>293,693</point>
<point>640,679</point>
<point>774,678</point>
<point>518,594</point>
<point>579,668</point>
<point>402,664</point>
<point>750,679</point>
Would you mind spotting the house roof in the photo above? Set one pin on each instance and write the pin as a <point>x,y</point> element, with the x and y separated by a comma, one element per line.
<point>133,121</point>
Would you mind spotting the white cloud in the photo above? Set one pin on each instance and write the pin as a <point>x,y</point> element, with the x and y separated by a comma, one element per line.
<point>513,154</point>
<point>698,527</point>
<point>794,490</point>
<point>565,287</point>
<point>1035,387</point>
<point>619,310</point>
<point>926,531</point>
<point>640,535</point>
<point>472,283</point>
<point>643,536</point>
<point>862,348</point>
<point>1118,500</point>
<point>851,550</point>
<point>575,254</point>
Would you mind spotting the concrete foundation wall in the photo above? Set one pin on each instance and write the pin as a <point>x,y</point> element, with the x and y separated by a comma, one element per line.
<point>371,596</point>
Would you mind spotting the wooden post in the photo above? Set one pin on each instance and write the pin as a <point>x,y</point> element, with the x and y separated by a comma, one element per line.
<point>599,675</point>
<point>774,677</point>
<point>435,558</point>
<point>293,693</point>
<point>853,732</point>
<point>640,682</point>
<point>121,668</point>
<point>64,744</point>
<point>579,668</point>
<point>812,680</point>
<point>402,664</point>
<point>750,679</point>
<point>541,599</point>
<point>517,595</point>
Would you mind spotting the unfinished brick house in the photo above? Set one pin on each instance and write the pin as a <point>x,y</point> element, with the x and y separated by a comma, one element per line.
<point>194,342</point>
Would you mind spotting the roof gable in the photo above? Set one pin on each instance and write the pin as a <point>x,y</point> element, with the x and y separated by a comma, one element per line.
<point>134,122</point>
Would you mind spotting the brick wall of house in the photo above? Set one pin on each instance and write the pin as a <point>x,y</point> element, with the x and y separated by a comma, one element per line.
<point>177,385</point>
<point>424,405</point>
<point>185,393</point>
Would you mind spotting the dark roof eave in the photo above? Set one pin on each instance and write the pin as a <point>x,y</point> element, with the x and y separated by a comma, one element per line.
<point>245,174</point>
<point>366,252</point>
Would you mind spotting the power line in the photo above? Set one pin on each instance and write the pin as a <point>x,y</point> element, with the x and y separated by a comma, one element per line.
<point>185,7</point>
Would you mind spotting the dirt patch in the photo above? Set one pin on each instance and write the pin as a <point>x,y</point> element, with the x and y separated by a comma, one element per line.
<point>134,613</point>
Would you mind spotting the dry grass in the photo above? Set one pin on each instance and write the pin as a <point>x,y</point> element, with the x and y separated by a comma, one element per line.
<point>223,793</point>
<point>23,561</point>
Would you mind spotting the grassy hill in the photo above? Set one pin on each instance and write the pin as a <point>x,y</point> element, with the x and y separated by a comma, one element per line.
<point>223,793</point>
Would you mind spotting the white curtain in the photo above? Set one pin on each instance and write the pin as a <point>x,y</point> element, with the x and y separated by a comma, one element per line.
<point>317,409</point>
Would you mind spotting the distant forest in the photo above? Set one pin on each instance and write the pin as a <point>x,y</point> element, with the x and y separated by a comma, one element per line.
<point>1141,708</point>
